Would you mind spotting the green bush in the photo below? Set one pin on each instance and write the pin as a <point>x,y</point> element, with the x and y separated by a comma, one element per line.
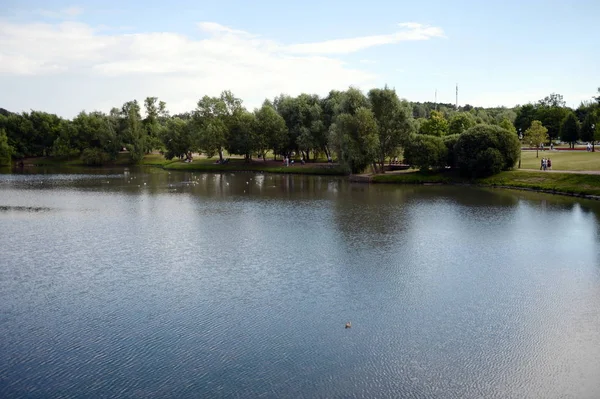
<point>425,151</point>
<point>94,157</point>
<point>6,150</point>
<point>450,142</point>
<point>484,150</point>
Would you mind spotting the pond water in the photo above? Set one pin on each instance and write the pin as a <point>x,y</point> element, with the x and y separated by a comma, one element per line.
<point>144,283</point>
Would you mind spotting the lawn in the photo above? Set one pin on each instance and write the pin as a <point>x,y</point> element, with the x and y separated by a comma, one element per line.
<point>235,164</point>
<point>562,160</point>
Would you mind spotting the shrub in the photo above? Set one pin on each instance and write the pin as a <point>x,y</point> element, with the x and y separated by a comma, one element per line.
<point>484,150</point>
<point>6,150</point>
<point>425,151</point>
<point>450,142</point>
<point>94,156</point>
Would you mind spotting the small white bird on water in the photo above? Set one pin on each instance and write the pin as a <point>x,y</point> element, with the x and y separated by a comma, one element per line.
<point>349,325</point>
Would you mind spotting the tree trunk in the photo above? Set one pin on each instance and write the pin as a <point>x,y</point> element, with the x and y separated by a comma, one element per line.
<point>220,155</point>
<point>537,155</point>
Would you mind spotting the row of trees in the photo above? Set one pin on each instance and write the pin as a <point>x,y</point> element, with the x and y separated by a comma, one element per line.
<point>360,130</point>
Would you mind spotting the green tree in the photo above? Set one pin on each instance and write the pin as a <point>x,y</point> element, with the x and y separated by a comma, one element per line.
<point>354,137</point>
<point>536,135</point>
<point>176,138</point>
<point>153,123</point>
<point>505,123</point>
<point>525,115</point>
<point>394,122</point>
<point>135,135</point>
<point>460,122</point>
<point>484,150</point>
<point>242,135</point>
<point>6,151</point>
<point>64,144</point>
<point>213,120</point>
<point>424,151</point>
<point>551,111</point>
<point>271,130</point>
<point>588,129</point>
<point>436,125</point>
<point>450,142</point>
<point>569,129</point>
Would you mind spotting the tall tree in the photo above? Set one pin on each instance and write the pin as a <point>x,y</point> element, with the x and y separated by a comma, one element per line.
<point>354,136</point>
<point>460,122</point>
<point>551,111</point>
<point>271,130</point>
<point>536,135</point>
<point>525,115</point>
<point>436,125</point>
<point>242,135</point>
<point>588,129</point>
<point>569,129</point>
<point>134,133</point>
<point>6,151</point>
<point>152,123</point>
<point>508,125</point>
<point>394,122</point>
<point>213,120</point>
<point>176,138</point>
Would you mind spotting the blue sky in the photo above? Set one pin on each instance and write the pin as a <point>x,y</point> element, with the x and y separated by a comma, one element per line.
<point>63,57</point>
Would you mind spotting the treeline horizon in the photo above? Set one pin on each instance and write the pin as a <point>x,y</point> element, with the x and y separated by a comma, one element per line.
<point>360,129</point>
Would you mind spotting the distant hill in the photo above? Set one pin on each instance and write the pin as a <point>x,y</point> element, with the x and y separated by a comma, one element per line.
<point>5,112</point>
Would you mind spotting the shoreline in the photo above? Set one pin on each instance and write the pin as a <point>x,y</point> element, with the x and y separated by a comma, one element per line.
<point>578,184</point>
<point>567,183</point>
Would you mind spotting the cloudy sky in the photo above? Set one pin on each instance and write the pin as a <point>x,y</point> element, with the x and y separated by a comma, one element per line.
<point>63,57</point>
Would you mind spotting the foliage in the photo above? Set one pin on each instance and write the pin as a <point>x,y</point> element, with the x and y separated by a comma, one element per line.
<point>176,138</point>
<point>6,150</point>
<point>536,134</point>
<point>271,130</point>
<point>485,149</point>
<point>425,151</point>
<point>436,125</point>
<point>355,138</point>
<point>508,125</point>
<point>552,117</point>
<point>242,137</point>
<point>95,156</point>
<point>460,122</point>
<point>525,115</point>
<point>394,122</point>
<point>569,129</point>
<point>450,142</point>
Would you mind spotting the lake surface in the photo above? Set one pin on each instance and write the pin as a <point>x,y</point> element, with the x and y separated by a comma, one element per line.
<point>143,283</point>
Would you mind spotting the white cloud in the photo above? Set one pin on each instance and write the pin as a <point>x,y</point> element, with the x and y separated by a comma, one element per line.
<point>370,62</point>
<point>65,13</point>
<point>100,66</point>
<point>411,32</point>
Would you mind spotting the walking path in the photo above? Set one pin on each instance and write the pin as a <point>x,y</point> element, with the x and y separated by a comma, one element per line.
<point>577,172</point>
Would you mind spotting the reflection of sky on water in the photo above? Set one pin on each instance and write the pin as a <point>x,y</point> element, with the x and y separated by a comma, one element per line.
<point>244,282</point>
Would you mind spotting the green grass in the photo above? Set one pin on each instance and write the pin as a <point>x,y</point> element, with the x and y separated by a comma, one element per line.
<point>560,183</point>
<point>208,165</point>
<point>562,160</point>
<point>565,183</point>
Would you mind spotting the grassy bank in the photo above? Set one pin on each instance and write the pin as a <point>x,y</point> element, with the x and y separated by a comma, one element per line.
<point>559,183</point>
<point>237,165</point>
<point>199,164</point>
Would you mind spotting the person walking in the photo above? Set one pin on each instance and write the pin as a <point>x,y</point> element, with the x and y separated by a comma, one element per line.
<point>549,164</point>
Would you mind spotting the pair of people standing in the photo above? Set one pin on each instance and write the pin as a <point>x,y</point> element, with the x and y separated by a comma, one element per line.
<point>546,164</point>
